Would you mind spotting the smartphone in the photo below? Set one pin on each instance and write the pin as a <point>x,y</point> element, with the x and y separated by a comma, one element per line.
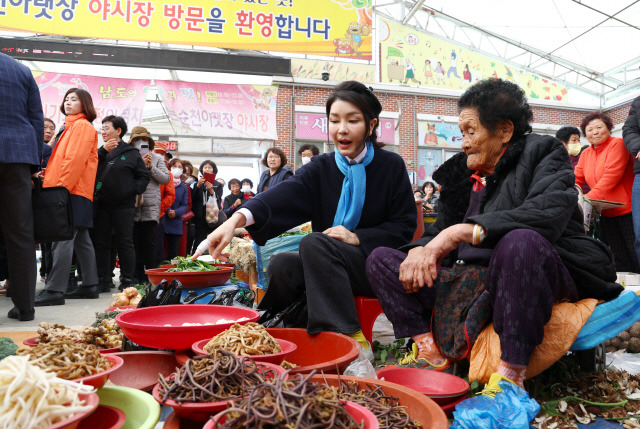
<point>144,149</point>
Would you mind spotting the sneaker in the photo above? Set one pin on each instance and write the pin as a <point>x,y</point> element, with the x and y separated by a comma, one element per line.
<point>414,360</point>
<point>492,388</point>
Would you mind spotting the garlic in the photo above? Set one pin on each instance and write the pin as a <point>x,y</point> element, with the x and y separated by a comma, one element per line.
<point>562,406</point>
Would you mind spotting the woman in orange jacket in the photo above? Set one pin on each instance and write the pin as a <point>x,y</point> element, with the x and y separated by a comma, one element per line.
<point>607,167</point>
<point>73,164</point>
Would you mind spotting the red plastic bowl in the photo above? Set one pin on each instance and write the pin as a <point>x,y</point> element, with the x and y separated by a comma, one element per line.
<point>148,326</point>
<point>104,417</point>
<point>98,380</point>
<point>275,358</point>
<point>182,356</point>
<point>31,342</point>
<point>201,411</point>
<point>450,407</point>
<point>358,412</point>
<point>443,388</point>
<point>141,369</point>
<point>419,407</point>
<point>191,280</point>
<point>91,399</point>
<point>328,352</point>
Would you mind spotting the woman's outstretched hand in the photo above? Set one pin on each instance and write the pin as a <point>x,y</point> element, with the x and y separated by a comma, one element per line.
<point>221,237</point>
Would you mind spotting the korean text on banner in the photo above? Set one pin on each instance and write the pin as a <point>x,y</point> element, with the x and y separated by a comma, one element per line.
<point>220,110</point>
<point>119,97</point>
<point>319,27</point>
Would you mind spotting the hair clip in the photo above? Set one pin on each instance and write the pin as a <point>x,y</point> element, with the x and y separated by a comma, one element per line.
<point>370,88</point>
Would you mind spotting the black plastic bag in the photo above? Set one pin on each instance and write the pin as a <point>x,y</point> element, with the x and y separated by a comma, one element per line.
<point>292,316</point>
<point>225,298</point>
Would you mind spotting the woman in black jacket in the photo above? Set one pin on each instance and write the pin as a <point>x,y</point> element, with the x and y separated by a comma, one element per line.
<point>507,245</point>
<point>203,189</point>
<point>631,136</point>
<point>234,200</point>
<point>122,174</point>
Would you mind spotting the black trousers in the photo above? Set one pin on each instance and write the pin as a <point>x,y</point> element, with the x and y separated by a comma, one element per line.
<point>16,218</point>
<point>121,221</point>
<point>144,242</point>
<point>47,259</point>
<point>203,229</point>
<point>331,272</point>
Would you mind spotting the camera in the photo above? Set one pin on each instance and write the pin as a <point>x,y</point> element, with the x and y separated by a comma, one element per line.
<point>325,75</point>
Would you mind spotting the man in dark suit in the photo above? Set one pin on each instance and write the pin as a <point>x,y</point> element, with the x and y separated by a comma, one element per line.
<point>21,137</point>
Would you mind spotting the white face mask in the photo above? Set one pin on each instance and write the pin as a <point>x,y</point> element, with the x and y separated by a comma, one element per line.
<point>574,149</point>
<point>177,172</point>
<point>246,188</point>
<point>305,160</point>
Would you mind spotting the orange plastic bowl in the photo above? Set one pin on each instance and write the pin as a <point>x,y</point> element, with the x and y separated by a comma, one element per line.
<point>443,388</point>
<point>201,411</point>
<point>142,368</point>
<point>91,399</point>
<point>328,352</point>
<point>191,280</point>
<point>419,407</point>
<point>358,412</point>
<point>104,417</point>
<point>161,327</point>
<point>98,380</point>
<point>275,358</point>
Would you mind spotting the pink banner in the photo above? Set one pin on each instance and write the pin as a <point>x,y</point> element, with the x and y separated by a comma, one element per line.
<point>219,110</point>
<point>313,126</point>
<point>119,97</point>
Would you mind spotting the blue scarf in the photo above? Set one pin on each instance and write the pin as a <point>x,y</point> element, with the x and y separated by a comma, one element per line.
<point>354,187</point>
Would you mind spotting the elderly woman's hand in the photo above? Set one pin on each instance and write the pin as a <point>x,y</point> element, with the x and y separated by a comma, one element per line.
<point>422,264</point>
<point>343,234</point>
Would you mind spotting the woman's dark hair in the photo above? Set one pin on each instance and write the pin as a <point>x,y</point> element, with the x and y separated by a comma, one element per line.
<point>596,115</point>
<point>313,148</point>
<point>498,100</point>
<point>174,161</point>
<point>211,163</point>
<point>117,122</point>
<point>279,152</point>
<point>565,133</point>
<point>425,184</point>
<point>363,98</point>
<point>233,181</point>
<point>186,164</point>
<point>85,101</point>
<point>248,181</point>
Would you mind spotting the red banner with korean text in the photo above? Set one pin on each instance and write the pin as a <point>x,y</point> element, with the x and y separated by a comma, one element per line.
<point>220,110</point>
<point>111,96</point>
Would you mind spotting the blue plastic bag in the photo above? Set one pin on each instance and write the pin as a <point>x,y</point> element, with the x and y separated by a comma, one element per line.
<point>510,409</point>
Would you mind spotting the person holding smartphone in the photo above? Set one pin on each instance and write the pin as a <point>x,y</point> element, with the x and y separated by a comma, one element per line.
<point>146,215</point>
<point>207,186</point>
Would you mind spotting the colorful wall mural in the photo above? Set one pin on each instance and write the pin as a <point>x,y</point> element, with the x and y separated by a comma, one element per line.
<point>412,57</point>
<point>312,69</point>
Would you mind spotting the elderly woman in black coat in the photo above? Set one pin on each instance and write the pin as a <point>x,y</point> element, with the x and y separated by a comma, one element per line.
<point>507,245</point>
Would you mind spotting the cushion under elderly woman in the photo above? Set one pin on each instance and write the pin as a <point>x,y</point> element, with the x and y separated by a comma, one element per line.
<point>507,245</point>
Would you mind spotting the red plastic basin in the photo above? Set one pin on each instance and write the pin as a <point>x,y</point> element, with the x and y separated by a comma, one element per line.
<point>98,380</point>
<point>443,388</point>
<point>148,326</point>
<point>104,417</point>
<point>201,411</point>
<point>182,356</point>
<point>141,369</point>
<point>419,407</point>
<point>328,352</point>
<point>276,358</point>
<point>191,280</point>
<point>91,399</point>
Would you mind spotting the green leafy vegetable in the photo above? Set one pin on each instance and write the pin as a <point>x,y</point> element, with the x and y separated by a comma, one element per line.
<point>187,265</point>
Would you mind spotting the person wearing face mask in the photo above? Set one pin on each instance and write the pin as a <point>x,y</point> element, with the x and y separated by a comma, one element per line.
<point>570,138</point>
<point>234,200</point>
<point>307,152</point>
<point>172,219</point>
<point>147,215</point>
<point>247,193</point>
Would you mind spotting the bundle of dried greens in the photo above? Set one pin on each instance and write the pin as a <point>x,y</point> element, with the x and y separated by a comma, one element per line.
<point>244,340</point>
<point>67,359</point>
<point>217,377</point>
<point>295,403</point>
<point>387,409</point>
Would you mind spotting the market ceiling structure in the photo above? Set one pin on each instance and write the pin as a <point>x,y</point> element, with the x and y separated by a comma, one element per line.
<point>589,45</point>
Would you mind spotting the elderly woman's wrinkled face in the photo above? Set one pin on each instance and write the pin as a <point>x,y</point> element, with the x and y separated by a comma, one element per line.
<point>235,188</point>
<point>483,148</point>
<point>597,132</point>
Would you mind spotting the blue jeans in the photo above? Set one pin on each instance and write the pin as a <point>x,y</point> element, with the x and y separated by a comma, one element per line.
<point>635,213</point>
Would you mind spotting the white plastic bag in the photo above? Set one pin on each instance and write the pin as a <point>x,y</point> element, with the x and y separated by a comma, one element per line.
<point>361,367</point>
<point>623,361</point>
<point>212,211</point>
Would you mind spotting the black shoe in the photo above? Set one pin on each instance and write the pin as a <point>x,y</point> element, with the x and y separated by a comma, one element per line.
<point>123,286</point>
<point>105,287</point>
<point>47,297</point>
<point>23,316</point>
<point>90,291</point>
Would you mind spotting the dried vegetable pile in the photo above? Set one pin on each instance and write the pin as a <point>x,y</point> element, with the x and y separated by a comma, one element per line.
<point>106,335</point>
<point>613,395</point>
<point>67,359</point>
<point>250,339</point>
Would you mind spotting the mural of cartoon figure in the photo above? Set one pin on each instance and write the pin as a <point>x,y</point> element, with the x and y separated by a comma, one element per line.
<point>343,47</point>
<point>264,99</point>
<point>410,72</point>
<point>431,138</point>
<point>440,73</point>
<point>466,76</point>
<point>454,66</point>
<point>428,73</point>
<point>355,33</point>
